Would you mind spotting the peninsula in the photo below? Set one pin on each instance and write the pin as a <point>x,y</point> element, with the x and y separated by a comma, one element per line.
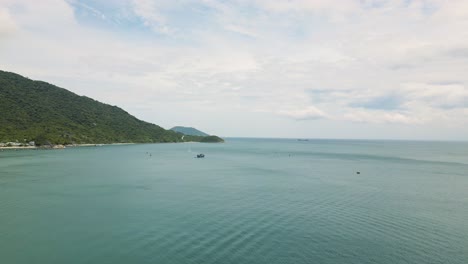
<point>36,113</point>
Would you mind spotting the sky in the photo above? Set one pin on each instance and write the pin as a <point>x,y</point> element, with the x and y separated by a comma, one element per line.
<point>358,69</point>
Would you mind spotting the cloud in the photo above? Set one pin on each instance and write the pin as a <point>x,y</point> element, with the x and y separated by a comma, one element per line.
<point>380,117</point>
<point>7,24</point>
<point>31,15</point>
<point>374,62</point>
<point>152,14</point>
<point>436,95</point>
<point>308,113</point>
<point>87,8</point>
<point>241,30</point>
<point>461,52</point>
<point>336,6</point>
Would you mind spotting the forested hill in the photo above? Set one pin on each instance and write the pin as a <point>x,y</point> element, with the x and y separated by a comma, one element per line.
<point>189,131</point>
<point>47,114</point>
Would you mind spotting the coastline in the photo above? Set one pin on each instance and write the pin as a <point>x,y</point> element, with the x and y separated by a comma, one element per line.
<point>58,146</point>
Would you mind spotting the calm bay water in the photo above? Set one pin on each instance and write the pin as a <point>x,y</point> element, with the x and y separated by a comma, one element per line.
<point>248,201</point>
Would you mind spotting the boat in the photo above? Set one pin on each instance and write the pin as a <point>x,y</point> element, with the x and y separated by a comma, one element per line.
<point>200,156</point>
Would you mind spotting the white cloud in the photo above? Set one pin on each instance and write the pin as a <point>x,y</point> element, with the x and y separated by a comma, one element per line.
<point>153,14</point>
<point>95,12</point>
<point>241,30</point>
<point>307,113</point>
<point>41,16</point>
<point>337,6</point>
<point>386,62</point>
<point>436,95</point>
<point>7,24</point>
<point>379,117</point>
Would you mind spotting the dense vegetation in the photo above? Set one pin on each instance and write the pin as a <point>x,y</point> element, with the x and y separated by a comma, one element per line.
<point>41,112</point>
<point>207,139</point>
<point>190,131</point>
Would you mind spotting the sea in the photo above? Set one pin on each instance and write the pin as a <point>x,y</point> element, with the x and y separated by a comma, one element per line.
<point>262,201</point>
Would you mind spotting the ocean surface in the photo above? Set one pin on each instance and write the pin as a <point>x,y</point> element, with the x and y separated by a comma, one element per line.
<point>248,201</point>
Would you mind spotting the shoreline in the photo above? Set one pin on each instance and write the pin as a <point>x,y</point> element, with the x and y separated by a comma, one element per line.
<point>59,146</point>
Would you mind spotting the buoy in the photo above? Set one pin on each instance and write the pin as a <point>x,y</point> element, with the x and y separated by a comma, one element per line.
<point>358,172</point>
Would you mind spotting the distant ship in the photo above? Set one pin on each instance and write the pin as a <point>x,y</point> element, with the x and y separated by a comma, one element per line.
<point>302,139</point>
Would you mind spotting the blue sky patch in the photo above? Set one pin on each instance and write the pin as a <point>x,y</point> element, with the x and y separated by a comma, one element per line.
<point>390,102</point>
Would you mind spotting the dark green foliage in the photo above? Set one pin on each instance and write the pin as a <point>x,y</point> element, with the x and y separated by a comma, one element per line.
<point>41,112</point>
<point>207,139</point>
<point>189,131</point>
<point>211,139</point>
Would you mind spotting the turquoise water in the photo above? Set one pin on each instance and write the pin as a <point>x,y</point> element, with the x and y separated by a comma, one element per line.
<point>248,201</point>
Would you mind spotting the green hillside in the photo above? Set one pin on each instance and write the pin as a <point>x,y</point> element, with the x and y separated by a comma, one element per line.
<point>190,131</point>
<point>38,111</point>
<point>207,139</point>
